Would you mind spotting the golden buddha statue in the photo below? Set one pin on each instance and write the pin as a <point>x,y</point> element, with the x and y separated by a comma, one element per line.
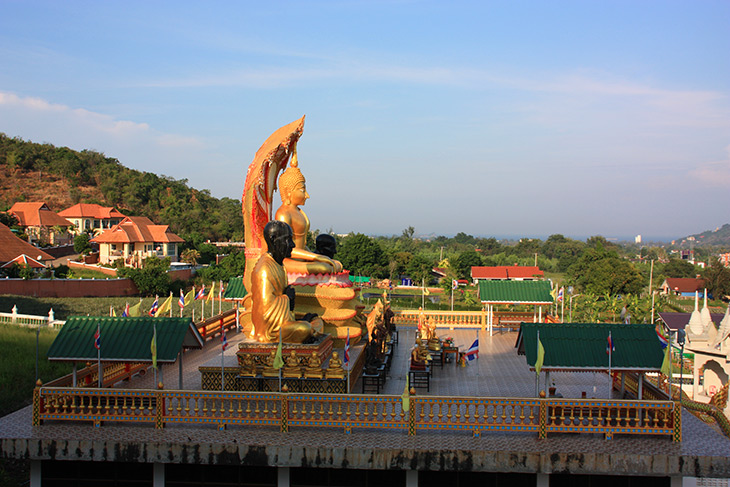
<point>419,354</point>
<point>248,366</point>
<point>269,369</point>
<point>434,343</point>
<point>293,190</point>
<point>273,299</point>
<point>335,370</point>
<point>314,369</point>
<point>292,367</point>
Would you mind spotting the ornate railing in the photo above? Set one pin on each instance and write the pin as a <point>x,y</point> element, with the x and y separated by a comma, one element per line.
<point>462,319</point>
<point>349,411</point>
<point>16,318</point>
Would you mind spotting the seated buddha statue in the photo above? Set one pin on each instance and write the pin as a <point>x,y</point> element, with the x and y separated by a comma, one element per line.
<point>248,366</point>
<point>292,367</point>
<point>293,190</point>
<point>314,368</point>
<point>335,370</point>
<point>269,369</point>
<point>419,355</point>
<point>272,310</point>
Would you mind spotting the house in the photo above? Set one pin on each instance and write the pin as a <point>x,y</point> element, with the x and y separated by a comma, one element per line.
<point>41,223</point>
<point>683,286</point>
<point>90,216</point>
<point>134,239</point>
<point>506,272</point>
<point>12,248</point>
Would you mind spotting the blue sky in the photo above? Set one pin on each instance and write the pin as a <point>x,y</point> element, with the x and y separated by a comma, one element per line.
<point>491,118</point>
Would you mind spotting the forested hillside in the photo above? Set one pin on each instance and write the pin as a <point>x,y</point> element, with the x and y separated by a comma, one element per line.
<point>719,236</point>
<point>63,177</point>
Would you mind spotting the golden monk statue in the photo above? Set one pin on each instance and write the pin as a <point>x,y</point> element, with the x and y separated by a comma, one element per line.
<point>335,370</point>
<point>272,298</point>
<point>314,369</point>
<point>292,367</point>
<point>293,189</point>
<point>269,370</point>
<point>248,366</point>
<point>419,355</point>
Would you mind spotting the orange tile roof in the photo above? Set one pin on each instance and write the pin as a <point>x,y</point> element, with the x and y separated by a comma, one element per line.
<point>506,272</point>
<point>37,214</point>
<point>685,284</point>
<point>90,210</point>
<point>12,246</point>
<point>137,229</point>
<point>24,261</point>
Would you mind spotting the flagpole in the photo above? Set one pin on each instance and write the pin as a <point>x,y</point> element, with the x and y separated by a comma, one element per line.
<point>423,293</point>
<point>537,376</point>
<point>610,353</point>
<point>154,337</point>
<point>100,371</point>
<point>220,296</point>
<point>279,367</point>
<point>223,377</point>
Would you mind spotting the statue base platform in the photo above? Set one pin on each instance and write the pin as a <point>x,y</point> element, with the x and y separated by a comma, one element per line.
<point>261,351</point>
<point>338,307</point>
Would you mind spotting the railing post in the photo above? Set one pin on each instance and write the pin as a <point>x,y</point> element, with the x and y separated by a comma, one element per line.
<point>160,409</point>
<point>412,413</point>
<point>14,316</point>
<point>484,319</point>
<point>37,403</point>
<point>284,424</point>
<point>51,317</point>
<point>677,417</point>
<point>542,428</point>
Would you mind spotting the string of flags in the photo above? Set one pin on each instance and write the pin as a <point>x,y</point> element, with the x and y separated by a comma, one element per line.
<point>184,300</point>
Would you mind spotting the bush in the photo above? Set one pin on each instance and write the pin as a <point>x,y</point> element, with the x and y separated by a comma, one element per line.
<point>81,243</point>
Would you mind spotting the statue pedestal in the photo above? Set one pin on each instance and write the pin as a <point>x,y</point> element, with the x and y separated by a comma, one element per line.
<point>261,351</point>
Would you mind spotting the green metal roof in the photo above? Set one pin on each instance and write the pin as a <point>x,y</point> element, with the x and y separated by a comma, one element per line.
<point>583,345</point>
<point>501,291</point>
<point>235,289</point>
<point>124,339</point>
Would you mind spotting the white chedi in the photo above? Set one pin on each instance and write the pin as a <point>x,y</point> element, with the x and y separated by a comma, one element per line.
<point>695,320</point>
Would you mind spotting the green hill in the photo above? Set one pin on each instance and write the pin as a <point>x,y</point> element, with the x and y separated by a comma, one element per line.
<point>719,236</point>
<point>63,177</point>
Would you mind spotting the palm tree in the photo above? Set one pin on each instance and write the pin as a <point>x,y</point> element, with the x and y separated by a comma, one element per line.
<point>190,256</point>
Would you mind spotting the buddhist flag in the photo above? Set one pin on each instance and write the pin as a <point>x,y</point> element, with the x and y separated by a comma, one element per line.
<point>666,368</point>
<point>190,297</point>
<point>540,355</point>
<point>406,397</point>
<point>114,313</point>
<point>210,293</point>
<point>153,348</point>
<point>134,310</point>
<point>278,360</point>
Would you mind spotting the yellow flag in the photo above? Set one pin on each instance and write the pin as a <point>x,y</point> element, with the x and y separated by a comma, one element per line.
<point>114,313</point>
<point>540,356</point>
<point>210,293</point>
<point>406,397</point>
<point>153,348</point>
<point>666,368</point>
<point>190,297</point>
<point>278,359</point>
<point>165,308</point>
<point>426,291</point>
<point>134,310</point>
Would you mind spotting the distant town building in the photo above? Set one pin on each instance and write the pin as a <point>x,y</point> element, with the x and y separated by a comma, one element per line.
<point>41,224</point>
<point>134,239</point>
<point>90,216</point>
<point>637,239</point>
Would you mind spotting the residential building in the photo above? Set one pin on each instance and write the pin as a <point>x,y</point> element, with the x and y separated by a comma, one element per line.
<point>16,249</point>
<point>683,286</point>
<point>42,224</point>
<point>134,239</point>
<point>506,272</point>
<point>91,217</point>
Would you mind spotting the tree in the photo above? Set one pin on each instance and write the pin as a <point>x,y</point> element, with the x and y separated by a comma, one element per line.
<point>600,271</point>
<point>717,280</point>
<point>81,243</point>
<point>190,256</point>
<point>465,261</point>
<point>362,255</point>
<point>679,268</point>
<point>152,278</point>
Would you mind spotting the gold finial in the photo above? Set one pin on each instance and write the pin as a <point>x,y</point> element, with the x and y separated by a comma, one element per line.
<point>290,177</point>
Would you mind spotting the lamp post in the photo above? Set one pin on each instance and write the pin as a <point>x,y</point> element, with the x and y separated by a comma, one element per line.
<point>680,339</point>
<point>570,313</point>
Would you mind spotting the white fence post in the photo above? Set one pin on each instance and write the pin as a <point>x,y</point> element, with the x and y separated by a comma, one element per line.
<point>15,314</point>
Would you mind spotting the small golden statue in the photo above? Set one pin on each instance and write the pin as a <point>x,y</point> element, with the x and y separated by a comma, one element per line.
<point>269,370</point>
<point>335,370</point>
<point>292,367</point>
<point>248,366</point>
<point>419,355</point>
<point>314,369</point>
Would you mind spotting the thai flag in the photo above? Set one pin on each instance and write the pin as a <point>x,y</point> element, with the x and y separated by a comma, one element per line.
<point>473,352</point>
<point>560,294</point>
<point>201,293</point>
<point>662,339</point>
<point>181,301</point>
<point>224,338</point>
<point>125,313</point>
<point>347,349</point>
<point>97,339</point>
<point>155,307</point>
<point>610,347</point>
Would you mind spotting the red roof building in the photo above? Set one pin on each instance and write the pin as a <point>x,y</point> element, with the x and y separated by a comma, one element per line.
<point>12,247</point>
<point>134,239</point>
<point>90,216</point>
<point>38,221</point>
<point>506,272</point>
<point>683,286</point>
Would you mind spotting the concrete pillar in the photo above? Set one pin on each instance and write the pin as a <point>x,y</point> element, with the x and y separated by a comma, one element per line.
<point>158,475</point>
<point>282,477</point>
<point>35,473</point>
<point>641,385</point>
<point>542,480</point>
<point>676,481</point>
<point>180,369</point>
<point>411,478</point>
